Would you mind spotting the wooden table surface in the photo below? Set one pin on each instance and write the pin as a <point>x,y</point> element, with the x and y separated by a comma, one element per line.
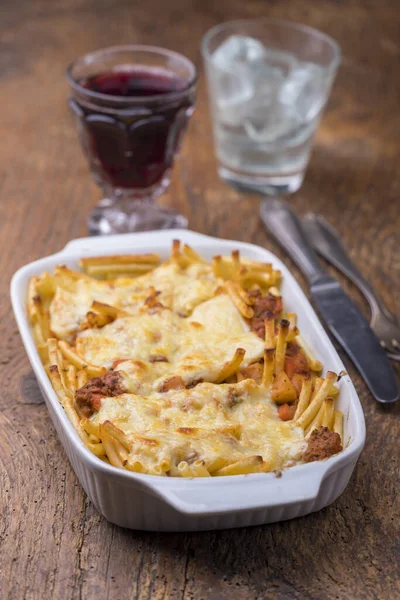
<point>54,544</point>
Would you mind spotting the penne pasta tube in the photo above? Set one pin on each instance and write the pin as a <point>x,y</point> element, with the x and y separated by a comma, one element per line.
<point>119,259</point>
<point>311,411</point>
<point>231,366</point>
<point>315,365</point>
<point>42,350</point>
<point>292,335</point>
<point>316,422</point>
<point>222,268</point>
<point>121,451</point>
<point>71,378</point>
<point>329,407</point>
<point>90,427</point>
<point>215,464</point>
<point>281,340</point>
<point>67,277</point>
<point>175,250</point>
<point>32,293</point>
<point>45,285</point>
<point>304,398</point>
<point>42,317</point>
<point>184,469</point>
<point>107,309</point>
<point>165,465</point>
<point>269,324</point>
<point>244,295</point>
<point>233,290</point>
<point>135,466</point>
<point>110,449</point>
<point>114,271</point>
<point>81,379</point>
<point>318,381</point>
<point>269,367</point>
<point>38,335</point>
<point>97,448</point>
<point>66,402</point>
<point>255,265</point>
<point>156,470</point>
<point>235,254</point>
<point>79,362</point>
<point>250,464</point>
<point>335,391</point>
<point>56,358</point>
<point>199,469</point>
<point>192,255</point>
<point>117,434</point>
<point>265,280</point>
<point>338,423</point>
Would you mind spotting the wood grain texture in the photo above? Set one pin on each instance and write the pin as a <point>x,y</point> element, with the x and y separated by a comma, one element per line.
<point>54,545</point>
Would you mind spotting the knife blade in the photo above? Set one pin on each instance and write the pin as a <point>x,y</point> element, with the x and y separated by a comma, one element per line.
<point>340,314</point>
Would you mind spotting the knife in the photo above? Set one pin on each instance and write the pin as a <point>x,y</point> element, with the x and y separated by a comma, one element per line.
<point>341,315</point>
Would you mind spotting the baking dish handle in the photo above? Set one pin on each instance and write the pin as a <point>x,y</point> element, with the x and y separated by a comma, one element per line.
<point>245,492</point>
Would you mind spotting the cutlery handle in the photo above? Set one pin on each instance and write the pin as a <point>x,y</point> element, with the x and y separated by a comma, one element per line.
<point>325,240</point>
<point>286,228</point>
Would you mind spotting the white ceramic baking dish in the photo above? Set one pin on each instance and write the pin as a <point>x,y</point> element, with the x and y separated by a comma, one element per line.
<point>172,504</point>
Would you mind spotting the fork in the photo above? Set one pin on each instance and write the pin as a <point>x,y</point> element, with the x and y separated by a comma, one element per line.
<point>326,241</point>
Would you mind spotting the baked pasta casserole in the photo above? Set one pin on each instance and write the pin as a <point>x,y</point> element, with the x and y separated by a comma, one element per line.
<point>184,367</point>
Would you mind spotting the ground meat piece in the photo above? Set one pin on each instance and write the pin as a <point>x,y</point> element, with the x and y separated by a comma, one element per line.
<point>88,397</point>
<point>262,307</point>
<point>286,411</point>
<point>173,383</point>
<point>194,382</point>
<point>322,443</point>
<point>257,325</point>
<point>253,371</point>
<point>295,361</point>
<point>292,349</point>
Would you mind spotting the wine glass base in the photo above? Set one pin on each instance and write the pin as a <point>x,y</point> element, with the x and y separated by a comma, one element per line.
<point>108,218</point>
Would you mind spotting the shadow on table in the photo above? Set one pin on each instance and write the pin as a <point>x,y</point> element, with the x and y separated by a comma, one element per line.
<point>303,558</point>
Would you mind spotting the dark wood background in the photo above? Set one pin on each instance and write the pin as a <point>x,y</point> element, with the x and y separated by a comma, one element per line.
<point>54,545</point>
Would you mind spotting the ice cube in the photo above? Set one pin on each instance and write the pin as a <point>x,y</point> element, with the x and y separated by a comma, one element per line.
<point>233,91</point>
<point>269,124</point>
<point>306,90</point>
<point>278,60</point>
<point>232,76</point>
<point>237,49</point>
<point>267,119</point>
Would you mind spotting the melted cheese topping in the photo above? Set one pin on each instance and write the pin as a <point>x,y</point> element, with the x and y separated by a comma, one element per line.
<point>182,290</point>
<point>192,335</point>
<point>223,423</point>
<point>179,290</point>
<point>160,344</point>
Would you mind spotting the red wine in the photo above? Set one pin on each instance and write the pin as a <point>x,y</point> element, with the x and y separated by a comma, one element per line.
<point>133,146</point>
<point>134,82</point>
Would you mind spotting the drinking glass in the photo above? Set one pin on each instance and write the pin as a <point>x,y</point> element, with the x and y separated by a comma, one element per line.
<point>132,105</point>
<point>268,83</point>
